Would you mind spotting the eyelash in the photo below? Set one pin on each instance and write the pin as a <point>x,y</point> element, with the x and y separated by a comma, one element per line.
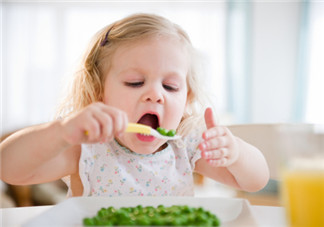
<point>170,88</point>
<point>134,84</point>
<point>139,84</point>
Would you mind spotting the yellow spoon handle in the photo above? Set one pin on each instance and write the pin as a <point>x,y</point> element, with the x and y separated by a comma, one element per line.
<point>134,127</point>
<point>139,128</point>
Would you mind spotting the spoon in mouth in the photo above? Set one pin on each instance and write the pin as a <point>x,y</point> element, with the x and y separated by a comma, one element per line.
<point>147,130</point>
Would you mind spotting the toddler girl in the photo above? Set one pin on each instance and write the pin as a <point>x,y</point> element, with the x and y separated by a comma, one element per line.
<point>139,69</point>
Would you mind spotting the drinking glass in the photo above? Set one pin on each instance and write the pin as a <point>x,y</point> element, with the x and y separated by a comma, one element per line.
<point>302,174</point>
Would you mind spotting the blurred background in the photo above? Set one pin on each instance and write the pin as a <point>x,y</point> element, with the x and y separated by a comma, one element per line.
<point>262,60</point>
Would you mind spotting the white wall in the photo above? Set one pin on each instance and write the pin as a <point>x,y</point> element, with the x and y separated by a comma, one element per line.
<point>274,53</point>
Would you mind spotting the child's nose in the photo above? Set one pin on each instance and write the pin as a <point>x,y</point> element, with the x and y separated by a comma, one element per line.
<point>154,95</point>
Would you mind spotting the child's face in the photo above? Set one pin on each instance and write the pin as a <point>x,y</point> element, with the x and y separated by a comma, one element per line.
<point>147,80</point>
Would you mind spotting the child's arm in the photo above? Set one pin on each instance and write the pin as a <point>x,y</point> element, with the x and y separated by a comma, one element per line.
<point>50,151</point>
<point>36,155</point>
<point>229,159</point>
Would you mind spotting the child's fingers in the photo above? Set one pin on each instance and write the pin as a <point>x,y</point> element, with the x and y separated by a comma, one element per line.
<point>107,128</point>
<point>218,162</point>
<point>215,154</point>
<point>105,121</point>
<point>120,122</point>
<point>92,129</point>
<point>124,122</point>
<point>214,143</point>
<point>119,119</point>
<point>112,121</point>
<point>100,123</point>
<point>214,132</point>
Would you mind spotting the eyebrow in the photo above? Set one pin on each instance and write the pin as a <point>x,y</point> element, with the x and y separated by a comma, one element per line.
<point>124,72</point>
<point>172,74</point>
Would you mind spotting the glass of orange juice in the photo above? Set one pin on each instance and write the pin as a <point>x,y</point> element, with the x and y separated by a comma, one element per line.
<point>302,173</point>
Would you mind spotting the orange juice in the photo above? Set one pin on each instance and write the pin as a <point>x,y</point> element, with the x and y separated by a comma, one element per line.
<point>303,197</point>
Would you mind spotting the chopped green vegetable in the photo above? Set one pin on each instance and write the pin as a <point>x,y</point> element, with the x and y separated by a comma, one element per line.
<point>175,215</point>
<point>165,132</point>
<point>162,131</point>
<point>171,133</point>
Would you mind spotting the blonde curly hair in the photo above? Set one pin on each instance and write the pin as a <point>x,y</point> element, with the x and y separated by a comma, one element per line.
<point>88,82</point>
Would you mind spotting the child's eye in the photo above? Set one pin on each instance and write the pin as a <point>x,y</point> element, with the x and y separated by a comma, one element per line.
<point>134,84</point>
<point>170,87</point>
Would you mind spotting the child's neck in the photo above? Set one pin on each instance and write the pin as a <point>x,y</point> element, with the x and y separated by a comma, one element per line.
<point>159,149</point>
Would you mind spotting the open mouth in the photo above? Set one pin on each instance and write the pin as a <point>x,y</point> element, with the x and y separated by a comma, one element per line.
<point>150,120</point>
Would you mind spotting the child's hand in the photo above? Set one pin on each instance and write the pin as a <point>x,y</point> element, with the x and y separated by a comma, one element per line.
<point>219,147</point>
<point>95,123</point>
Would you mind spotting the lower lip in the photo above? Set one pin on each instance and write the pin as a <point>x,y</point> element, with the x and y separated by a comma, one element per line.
<point>143,138</point>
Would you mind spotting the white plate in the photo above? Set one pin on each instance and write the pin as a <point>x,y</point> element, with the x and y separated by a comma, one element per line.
<point>231,212</point>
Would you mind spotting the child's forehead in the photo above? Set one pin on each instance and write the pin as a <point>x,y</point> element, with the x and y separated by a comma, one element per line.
<point>161,43</point>
<point>156,38</point>
<point>150,49</point>
<point>136,59</point>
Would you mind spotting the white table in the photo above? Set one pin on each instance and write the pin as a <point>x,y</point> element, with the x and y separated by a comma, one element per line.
<point>267,216</point>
